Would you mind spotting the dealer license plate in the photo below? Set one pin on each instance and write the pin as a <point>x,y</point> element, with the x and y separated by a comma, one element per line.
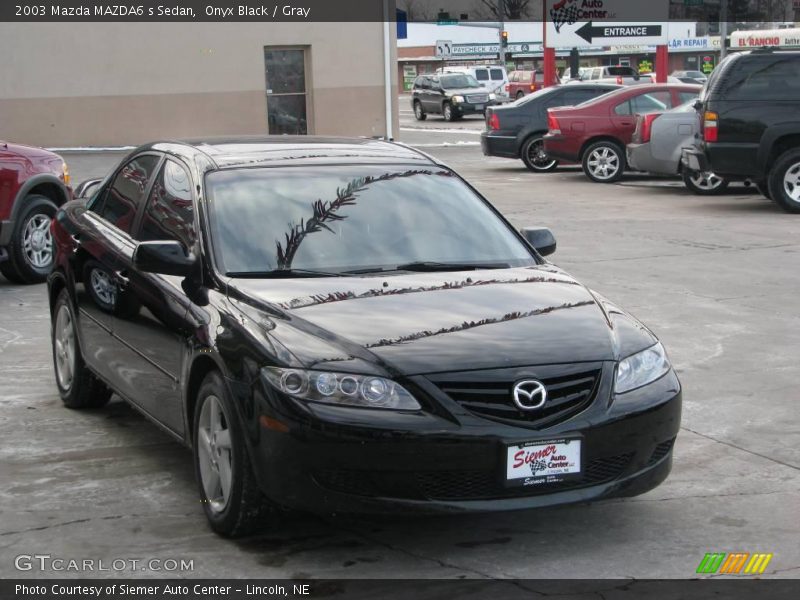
<point>538,463</point>
<point>479,107</point>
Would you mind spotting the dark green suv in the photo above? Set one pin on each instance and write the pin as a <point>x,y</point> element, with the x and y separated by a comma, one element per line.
<point>750,124</point>
<point>452,95</point>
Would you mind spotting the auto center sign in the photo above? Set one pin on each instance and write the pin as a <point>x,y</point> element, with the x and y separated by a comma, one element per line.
<point>583,23</point>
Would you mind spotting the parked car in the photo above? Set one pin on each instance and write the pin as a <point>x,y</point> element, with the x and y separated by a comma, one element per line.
<point>620,74</point>
<point>516,130</point>
<point>748,116</point>
<point>493,77</point>
<point>522,83</point>
<point>658,141</point>
<point>348,326</point>
<point>697,77</point>
<point>33,184</point>
<point>595,133</point>
<point>452,95</point>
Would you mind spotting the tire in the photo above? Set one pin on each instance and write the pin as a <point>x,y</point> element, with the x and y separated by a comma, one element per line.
<point>784,181</point>
<point>538,164</point>
<point>604,162</point>
<point>31,251</point>
<point>520,94</point>
<point>77,385</point>
<point>704,184</point>
<point>219,447</point>
<point>447,112</point>
<point>419,113</point>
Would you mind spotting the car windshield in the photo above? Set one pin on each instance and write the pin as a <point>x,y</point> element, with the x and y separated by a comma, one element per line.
<point>457,82</point>
<point>347,218</point>
<point>622,71</point>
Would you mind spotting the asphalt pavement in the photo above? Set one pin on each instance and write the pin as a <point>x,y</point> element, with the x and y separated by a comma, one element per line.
<point>714,277</point>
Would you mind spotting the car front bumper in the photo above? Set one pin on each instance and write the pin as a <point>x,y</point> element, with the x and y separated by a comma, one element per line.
<point>344,460</point>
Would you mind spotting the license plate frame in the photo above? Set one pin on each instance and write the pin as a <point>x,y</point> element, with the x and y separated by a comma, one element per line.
<point>480,106</point>
<point>568,467</point>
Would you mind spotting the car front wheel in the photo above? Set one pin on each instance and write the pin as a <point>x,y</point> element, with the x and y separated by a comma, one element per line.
<point>784,181</point>
<point>448,113</point>
<point>232,500</point>
<point>30,254</point>
<point>704,183</point>
<point>419,114</point>
<point>535,158</point>
<point>604,162</point>
<point>77,385</point>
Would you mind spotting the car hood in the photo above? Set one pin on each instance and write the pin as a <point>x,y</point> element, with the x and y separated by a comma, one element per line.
<point>467,91</point>
<point>436,322</point>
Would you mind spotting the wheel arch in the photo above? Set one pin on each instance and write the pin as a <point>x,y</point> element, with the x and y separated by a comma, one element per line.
<point>600,138</point>
<point>56,282</point>
<point>44,184</point>
<point>201,365</point>
<point>775,142</point>
<point>524,136</point>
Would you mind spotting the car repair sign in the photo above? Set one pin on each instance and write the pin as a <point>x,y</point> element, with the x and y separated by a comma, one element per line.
<point>583,23</point>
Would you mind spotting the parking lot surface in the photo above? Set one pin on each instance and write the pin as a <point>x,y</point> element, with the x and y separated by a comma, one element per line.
<point>714,277</point>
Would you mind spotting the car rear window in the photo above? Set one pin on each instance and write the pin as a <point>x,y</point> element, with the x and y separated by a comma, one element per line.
<point>497,74</point>
<point>481,75</point>
<point>763,78</point>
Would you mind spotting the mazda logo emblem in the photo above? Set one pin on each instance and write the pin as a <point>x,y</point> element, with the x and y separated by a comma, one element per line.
<point>530,394</point>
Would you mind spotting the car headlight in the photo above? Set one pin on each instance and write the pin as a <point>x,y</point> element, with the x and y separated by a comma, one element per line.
<point>492,96</point>
<point>457,99</point>
<point>641,368</point>
<point>367,391</point>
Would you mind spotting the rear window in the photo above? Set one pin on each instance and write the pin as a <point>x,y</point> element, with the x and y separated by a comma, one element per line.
<point>763,78</point>
<point>481,75</point>
<point>497,74</point>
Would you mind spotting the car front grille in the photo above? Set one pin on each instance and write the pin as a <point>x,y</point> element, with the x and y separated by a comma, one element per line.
<point>477,98</point>
<point>570,389</point>
<point>460,485</point>
<point>660,451</point>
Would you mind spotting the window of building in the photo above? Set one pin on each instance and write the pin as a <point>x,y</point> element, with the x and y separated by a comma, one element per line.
<point>285,71</point>
<point>123,198</point>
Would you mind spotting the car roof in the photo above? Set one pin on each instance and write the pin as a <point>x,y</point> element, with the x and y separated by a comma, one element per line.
<point>282,150</point>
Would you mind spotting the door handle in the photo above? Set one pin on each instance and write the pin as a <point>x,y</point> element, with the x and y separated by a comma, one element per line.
<point>121,278</point>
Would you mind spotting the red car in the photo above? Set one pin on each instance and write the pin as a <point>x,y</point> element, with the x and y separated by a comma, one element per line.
<point>522,83</point>
<point>595,133</point>
<point>33,184</point>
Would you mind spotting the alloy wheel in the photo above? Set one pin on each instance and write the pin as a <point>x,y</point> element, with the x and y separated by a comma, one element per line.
<point>103,287</point>
<point>64,341</point>
<point>37,241</point>
<point>706,180</point>
<point>791,182</point>
<point>215,455</point>
<point>603,163</point>
<point>538,157</point>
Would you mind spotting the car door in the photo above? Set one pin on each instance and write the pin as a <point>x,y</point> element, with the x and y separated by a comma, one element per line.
<point>435,95</point>
<point>157,333</point>
<point>101,242</point>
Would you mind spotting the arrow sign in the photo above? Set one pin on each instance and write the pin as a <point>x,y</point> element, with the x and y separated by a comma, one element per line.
<point>444,48</point>
<point>590,32</point>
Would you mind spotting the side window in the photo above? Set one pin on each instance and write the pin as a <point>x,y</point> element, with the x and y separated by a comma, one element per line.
<point>764,78</point>
<point>652,102</point>
<point>169,214</point>
<point>623,109</point>
<point>596,73</point>
<point>497,74</point>
<point>575,97</point>
<point>125,195</point>
<point>482,74</point>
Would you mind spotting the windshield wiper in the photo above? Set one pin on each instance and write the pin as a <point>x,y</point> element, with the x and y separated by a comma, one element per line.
<point>430,266</point>
<point>283,273</point>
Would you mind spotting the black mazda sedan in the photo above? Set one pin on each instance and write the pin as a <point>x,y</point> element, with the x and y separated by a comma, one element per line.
<point>347,325</point>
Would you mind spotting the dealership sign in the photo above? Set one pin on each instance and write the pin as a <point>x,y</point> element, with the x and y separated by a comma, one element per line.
<point>582,23</point>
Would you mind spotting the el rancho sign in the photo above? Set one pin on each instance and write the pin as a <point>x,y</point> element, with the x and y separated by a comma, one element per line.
<point>782,38</point>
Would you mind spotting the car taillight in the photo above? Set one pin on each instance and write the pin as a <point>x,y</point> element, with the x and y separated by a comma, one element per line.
<point>493,122</point>
<point>710,127</point>
<point>619,79</point>
<point>533,87</point>
<point>508,87</point>
<point>552,123</point>
<point>647,126</point>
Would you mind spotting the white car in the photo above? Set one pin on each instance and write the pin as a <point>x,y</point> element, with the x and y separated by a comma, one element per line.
<point>493,77</point>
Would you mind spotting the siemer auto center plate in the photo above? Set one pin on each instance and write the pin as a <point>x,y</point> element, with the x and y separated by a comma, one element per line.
<point>537,463</point>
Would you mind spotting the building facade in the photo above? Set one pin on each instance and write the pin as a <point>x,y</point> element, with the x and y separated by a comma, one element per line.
<point>110,84</point>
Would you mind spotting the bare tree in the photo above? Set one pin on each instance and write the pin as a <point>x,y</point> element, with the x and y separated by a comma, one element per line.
<point>417,10</point>
<point>512,10</point>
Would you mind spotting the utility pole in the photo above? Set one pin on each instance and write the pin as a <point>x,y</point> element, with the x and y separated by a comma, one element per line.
<point>723,29</point>
<point>501,52</point>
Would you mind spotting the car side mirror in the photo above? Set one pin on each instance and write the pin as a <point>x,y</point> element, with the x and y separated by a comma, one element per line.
<point>165,257</point>
<point>87,188</point>
<point>541,238</point>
